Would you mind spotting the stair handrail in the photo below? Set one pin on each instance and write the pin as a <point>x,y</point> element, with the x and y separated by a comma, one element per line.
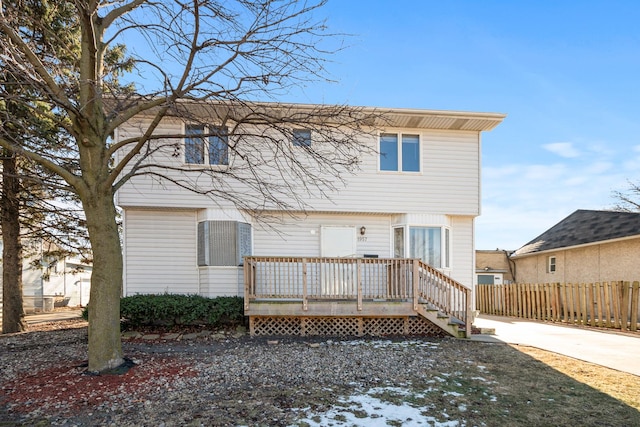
<point>447,295</point>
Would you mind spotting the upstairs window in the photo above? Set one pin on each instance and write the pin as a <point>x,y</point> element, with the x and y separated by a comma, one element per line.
<point>206,142</point>
<point>301,138</point>
<point>399,152</point>
<point>551,264</point>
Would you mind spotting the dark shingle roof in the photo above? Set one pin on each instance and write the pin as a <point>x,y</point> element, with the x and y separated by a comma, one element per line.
<point>584,227</point>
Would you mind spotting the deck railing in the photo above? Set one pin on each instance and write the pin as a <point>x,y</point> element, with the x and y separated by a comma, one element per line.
<point>357,280</point>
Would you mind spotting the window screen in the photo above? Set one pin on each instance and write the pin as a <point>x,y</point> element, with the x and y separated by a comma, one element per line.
<point>223,243</point>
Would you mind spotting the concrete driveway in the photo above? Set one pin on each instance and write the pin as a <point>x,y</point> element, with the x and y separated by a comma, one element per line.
<point>616,350</point>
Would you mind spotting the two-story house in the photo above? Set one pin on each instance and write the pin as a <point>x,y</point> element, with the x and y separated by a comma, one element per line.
<point>415,195</point>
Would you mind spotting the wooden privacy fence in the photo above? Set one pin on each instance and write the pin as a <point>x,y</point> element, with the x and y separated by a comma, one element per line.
<point>605,305</point>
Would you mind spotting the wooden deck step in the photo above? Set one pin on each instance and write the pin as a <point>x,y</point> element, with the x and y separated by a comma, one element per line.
<point>443,321</point>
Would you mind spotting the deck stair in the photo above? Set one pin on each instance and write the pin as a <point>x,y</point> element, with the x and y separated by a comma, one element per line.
<point>447,323</point>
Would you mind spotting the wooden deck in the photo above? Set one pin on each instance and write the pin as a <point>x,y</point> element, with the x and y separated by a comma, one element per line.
<point>357,296</point>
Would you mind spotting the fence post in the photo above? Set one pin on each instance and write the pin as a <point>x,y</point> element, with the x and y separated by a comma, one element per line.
<point>607,303</point>
<point>635,295</point>
<point>537,301</point>
<point>624,312</point>
<point>615,299</point>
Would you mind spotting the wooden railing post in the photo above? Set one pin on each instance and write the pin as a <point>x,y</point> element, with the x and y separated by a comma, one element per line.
<point>359,283</point>
<point>246,271</point>
<point>305,304</point>
<point>416,281</point>
<point>469,316</point>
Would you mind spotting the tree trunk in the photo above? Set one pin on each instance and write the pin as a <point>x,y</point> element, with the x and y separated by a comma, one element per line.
<point>12,308</point>
<point>105,346</point>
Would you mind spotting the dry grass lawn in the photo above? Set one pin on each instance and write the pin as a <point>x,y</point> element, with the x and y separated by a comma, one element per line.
<point>620,385</point>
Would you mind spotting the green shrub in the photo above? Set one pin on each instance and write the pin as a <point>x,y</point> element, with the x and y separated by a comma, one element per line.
<point>173,309</point>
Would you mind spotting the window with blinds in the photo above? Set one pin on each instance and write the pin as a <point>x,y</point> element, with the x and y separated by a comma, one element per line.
<point>223,243</point>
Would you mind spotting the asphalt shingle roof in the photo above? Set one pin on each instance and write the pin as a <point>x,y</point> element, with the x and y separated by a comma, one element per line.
<point>583,227</point>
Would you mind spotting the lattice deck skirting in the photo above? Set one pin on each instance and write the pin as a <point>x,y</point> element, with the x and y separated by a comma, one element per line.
<point>344,326</point>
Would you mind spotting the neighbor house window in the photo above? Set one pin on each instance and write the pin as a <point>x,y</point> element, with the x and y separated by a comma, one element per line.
<point>551,264</point>
<point>206,142</point>
<point>399,152</point>
<point>301,138</point>
<point>223,243</point>
<point>486,279</point>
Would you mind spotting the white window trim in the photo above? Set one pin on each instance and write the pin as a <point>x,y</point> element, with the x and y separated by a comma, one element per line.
<point>399,133</point>
<point>552,267</point>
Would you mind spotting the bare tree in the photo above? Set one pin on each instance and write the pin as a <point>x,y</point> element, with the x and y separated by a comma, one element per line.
<point>628,200</point>
<point>221,54</point>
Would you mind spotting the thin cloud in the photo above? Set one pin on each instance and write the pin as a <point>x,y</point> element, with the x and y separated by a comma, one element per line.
<point>562,149</point>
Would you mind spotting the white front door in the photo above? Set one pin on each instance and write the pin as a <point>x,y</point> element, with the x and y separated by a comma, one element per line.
<point>338,242</point>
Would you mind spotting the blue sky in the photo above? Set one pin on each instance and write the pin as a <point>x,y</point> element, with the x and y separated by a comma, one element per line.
<point>565,72</point>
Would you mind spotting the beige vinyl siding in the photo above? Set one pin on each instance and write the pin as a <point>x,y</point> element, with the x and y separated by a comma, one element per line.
<point>301,237</point>
<point>447,184</point>
<point>160,252</point>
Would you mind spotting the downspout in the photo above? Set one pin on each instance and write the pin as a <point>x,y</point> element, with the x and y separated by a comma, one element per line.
<point>511,263</point>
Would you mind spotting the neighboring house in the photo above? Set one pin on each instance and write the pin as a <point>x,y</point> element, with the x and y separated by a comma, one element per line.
<point>493,267</point>
<point>586,247</point>
<point>416,195</point>
<point>52,280</point>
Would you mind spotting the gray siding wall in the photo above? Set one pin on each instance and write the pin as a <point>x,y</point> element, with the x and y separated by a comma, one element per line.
<point>448,183</point>
<point>160,251</point>
<point>161,243</point>
<point>462,258</point>
<point>301,237</point>
<point>221,281</point>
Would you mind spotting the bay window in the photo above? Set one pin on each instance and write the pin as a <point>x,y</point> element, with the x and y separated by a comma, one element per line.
<point>430,244</point>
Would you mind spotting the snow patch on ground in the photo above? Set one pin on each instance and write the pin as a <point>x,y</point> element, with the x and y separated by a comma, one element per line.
<point>368,410</point>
